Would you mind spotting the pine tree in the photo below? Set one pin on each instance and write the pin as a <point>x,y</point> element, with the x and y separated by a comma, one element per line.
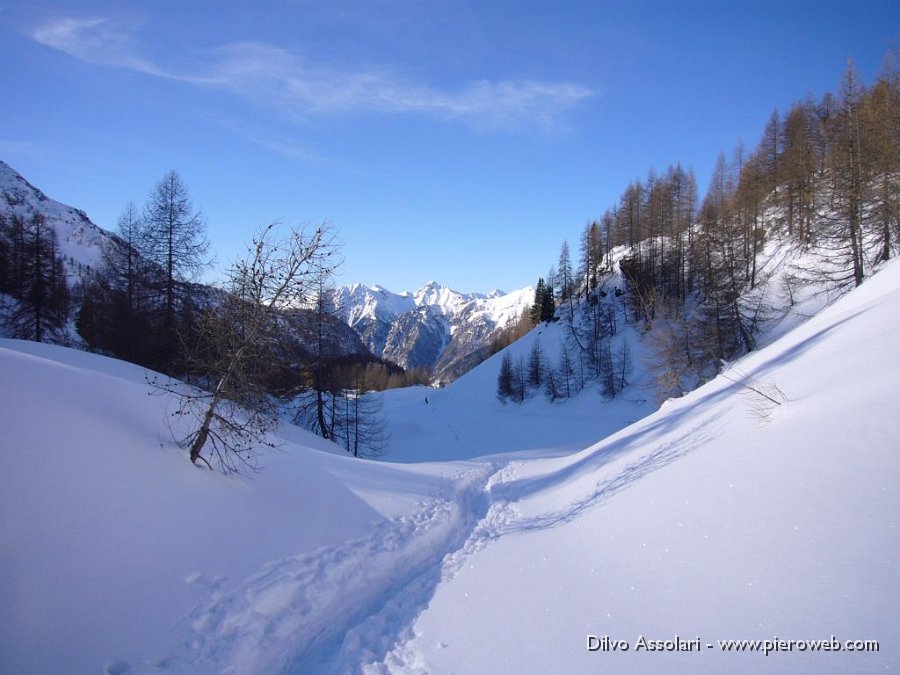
<point>544,306</point>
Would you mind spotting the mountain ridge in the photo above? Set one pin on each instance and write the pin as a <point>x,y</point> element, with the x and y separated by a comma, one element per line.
<point>79,238</point>
<point>435,327</point>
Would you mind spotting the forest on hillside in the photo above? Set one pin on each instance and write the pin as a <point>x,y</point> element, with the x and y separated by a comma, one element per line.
<point>823,180</point>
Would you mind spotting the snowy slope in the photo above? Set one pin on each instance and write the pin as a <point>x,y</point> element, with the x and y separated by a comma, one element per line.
<point>702,520</point>
<point>79,239</point>
<point>109,536</point>
<point>357,302</point>
<point>466,420</point>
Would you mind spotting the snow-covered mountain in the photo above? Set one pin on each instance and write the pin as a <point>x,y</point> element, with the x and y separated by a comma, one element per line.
<point>79,239</point>
<point>435,327</point>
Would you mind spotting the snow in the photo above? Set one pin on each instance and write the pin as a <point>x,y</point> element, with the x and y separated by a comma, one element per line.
<point>701,521</point>
<point>103,520</point>
<point>79,239</point>
<point>358,302</point>
<point>492,538</point>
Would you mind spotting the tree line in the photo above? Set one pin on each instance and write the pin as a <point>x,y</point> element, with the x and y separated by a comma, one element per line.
<point>33,275</point>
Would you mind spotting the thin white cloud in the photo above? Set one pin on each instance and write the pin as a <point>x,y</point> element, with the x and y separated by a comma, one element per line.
<point>269,76</point>
<point>266,73</point>
<point>98,41</point>
<point>93,40</point>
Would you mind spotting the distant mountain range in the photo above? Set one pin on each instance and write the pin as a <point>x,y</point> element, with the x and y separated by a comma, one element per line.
<point>435,328</point>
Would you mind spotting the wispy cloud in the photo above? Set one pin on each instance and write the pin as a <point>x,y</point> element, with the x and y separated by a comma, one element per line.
<point>270,76</point>
<point>95,40</point>
<point>269,73</point>
<point>276,141</point>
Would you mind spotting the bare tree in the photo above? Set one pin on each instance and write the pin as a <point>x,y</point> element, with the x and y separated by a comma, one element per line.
<point>536,366</point>
<point>506,379</point>
<point>362,428</point>
<point>174,239</point>
<point>39,281</point>
<point>115,314</point>
<point>240,345</point>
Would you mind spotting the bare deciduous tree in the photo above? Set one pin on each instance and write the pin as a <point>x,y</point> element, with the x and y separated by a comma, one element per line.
<point>174,239</point>
<point>240,344</point>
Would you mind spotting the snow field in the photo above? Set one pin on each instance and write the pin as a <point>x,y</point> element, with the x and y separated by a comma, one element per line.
<point>496,539</point>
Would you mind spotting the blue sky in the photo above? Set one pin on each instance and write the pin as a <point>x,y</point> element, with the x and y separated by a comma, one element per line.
<point>447,140</point>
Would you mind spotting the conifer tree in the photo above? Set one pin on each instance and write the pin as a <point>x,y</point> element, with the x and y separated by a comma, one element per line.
<point>537,305</point>
<point>174,239</point>
<point>506,379</point>
<point>39,281</point>
<point>591,255</point>
<point>564,272</point>
<point>535,374</point>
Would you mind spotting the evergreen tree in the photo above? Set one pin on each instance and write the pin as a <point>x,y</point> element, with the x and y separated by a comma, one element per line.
<point>544,306</point>
<point>537,305</point>
<point>548,304</point>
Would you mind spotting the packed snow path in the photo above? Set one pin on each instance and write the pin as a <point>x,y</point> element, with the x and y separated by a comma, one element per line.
<point>336,608</point>
<point>344,608</point>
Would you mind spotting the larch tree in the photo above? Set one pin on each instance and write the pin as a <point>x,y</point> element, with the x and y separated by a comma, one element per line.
<point>174,239</point>
<point>241,346</point>
<point>591,256</point>
<point>565,278</point>
<point>536,366</point>
<point>880,141</point>
<point>123,263</point>
<point>848,171</point>
<point>39,281</point>
<point>506,383</point>
<point>114,314</point>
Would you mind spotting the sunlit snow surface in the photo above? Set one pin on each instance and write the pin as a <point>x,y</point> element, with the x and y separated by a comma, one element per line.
<point>497,540</point>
